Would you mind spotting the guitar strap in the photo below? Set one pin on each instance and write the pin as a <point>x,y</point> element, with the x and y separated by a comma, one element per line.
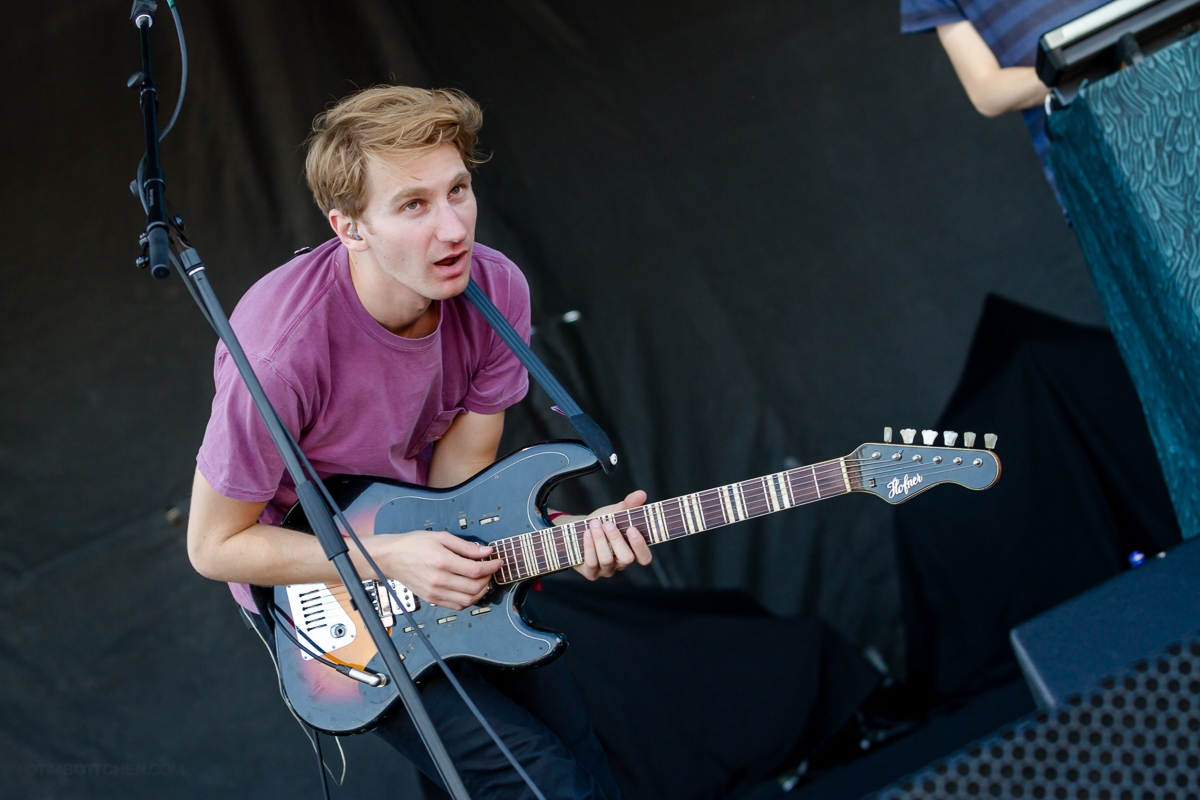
<point>591,433</point>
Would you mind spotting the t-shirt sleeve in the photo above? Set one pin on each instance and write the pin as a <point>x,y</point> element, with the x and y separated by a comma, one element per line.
<point>238,457</point>
<point>501,379</point>
<point>917,16</point>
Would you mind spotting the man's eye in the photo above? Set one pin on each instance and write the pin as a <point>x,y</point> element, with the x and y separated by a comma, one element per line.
<point>413,206</point>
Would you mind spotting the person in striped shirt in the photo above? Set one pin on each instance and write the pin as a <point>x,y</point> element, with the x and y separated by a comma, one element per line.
<point>993,47</point>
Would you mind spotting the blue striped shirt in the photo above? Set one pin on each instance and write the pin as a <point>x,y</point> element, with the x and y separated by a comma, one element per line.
<point>1011,28</point>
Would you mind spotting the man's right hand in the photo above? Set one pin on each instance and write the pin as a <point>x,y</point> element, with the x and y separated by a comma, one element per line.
<point>226,543</point>
<point>437,566</point>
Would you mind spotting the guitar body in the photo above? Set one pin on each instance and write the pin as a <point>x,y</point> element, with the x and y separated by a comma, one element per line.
<point>504,500</point>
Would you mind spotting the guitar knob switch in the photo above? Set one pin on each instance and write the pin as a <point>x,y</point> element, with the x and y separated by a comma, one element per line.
<point>989,441</point>
<point>908,434</point>
<point>969,439</point>
<point>929,437</point>
<point>950,437</point>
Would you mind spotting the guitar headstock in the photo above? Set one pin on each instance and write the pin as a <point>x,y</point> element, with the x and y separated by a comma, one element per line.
<point>898,471</point>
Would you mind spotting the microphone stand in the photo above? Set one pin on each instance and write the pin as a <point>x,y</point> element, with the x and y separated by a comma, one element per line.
<point>164,242</point>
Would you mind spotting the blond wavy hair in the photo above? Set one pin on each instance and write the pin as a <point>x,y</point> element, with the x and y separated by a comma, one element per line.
<point>384,122</point>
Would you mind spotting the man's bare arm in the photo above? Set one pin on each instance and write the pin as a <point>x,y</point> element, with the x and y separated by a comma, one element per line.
<point>993,90</point>
<point>226,543</point>
<point>468,446</point>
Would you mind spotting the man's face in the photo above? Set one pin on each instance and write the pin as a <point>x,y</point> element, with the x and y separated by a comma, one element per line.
<point>419,223</point>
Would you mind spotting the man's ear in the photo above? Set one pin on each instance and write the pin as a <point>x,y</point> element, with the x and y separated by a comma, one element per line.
<point>347,230</point>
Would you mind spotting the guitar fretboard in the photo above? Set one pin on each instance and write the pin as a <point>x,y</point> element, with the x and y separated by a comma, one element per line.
<point>552,549</point>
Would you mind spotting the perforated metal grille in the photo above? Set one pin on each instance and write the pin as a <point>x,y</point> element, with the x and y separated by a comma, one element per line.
<point>1135,738</point>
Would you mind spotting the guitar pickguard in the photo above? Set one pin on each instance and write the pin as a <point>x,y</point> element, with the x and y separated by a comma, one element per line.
<point>325,623</point>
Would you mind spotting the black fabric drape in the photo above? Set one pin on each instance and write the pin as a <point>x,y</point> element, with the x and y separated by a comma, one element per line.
<point>1080,490</point>
<point>778,219</point>
<point>699,695</point>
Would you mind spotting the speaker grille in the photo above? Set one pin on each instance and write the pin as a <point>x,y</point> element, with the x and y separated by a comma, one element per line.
<point>1137,737</point>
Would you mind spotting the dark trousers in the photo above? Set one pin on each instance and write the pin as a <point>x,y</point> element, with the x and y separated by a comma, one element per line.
<point>538,715</point>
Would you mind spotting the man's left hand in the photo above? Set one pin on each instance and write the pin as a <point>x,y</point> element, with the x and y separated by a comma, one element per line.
<point>605,550</point>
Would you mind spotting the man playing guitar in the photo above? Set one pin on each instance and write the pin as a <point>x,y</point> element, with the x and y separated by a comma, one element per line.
<point>378,366</point>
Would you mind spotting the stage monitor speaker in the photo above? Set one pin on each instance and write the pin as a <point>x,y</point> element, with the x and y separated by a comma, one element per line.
<point>1070,648</point>
<point>1135,737</point>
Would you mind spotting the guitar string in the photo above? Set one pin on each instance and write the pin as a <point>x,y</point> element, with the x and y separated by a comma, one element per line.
<point>673,511</point>
<point>823,473</point>
<point>676,514</point>
<point>710,498</point>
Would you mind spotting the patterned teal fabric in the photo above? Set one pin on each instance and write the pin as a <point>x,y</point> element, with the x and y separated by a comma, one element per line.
<point>1127,156</point>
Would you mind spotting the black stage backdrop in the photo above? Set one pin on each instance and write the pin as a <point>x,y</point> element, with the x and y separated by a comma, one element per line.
<point>778,221</point>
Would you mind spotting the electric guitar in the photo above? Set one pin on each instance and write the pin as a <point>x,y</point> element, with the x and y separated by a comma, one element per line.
<point>505,506</point>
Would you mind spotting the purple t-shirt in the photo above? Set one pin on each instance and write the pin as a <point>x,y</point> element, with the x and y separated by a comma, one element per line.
<point>359,399</point>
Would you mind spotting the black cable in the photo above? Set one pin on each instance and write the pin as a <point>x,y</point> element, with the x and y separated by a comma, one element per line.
<point>183,77</point>
<point>282,621</point>
<point>307,466</point>
<point>320,762</point>
<point>450,676</point>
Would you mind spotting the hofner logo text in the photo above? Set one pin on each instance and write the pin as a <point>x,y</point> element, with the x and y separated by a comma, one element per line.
<point>902,487</point>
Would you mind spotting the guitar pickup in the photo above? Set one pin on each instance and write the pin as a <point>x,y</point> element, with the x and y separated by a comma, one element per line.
<point>490,520</point>
<point>381,599</point>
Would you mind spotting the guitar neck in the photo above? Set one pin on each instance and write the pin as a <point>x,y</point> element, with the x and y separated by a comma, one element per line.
<point>542,552</point>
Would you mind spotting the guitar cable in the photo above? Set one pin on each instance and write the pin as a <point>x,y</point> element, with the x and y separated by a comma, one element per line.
<point>450,676</point>
<point>320,760</point>
<point>309,732</point>
<point>374,679</point>
<point>311,473</point>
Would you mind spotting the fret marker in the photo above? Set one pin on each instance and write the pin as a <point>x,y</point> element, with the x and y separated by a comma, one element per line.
<point>683,512</point>
<point>550,550</point>
<point>740,500</point>
<point>727,505</point>
<point>769,493</point>
<point>576,545</point>
<point>697,513</point>
<point>664,531</point>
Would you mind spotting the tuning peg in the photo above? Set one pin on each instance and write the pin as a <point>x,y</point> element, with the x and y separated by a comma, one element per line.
<point>887,435</point>
<point>969,439</point>
<point>950,437</point>
<point>989,441</point>
<point>929,437</point>
<point>908,434</point>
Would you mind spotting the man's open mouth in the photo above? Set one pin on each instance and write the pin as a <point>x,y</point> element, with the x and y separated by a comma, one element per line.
<point>450,260</point>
